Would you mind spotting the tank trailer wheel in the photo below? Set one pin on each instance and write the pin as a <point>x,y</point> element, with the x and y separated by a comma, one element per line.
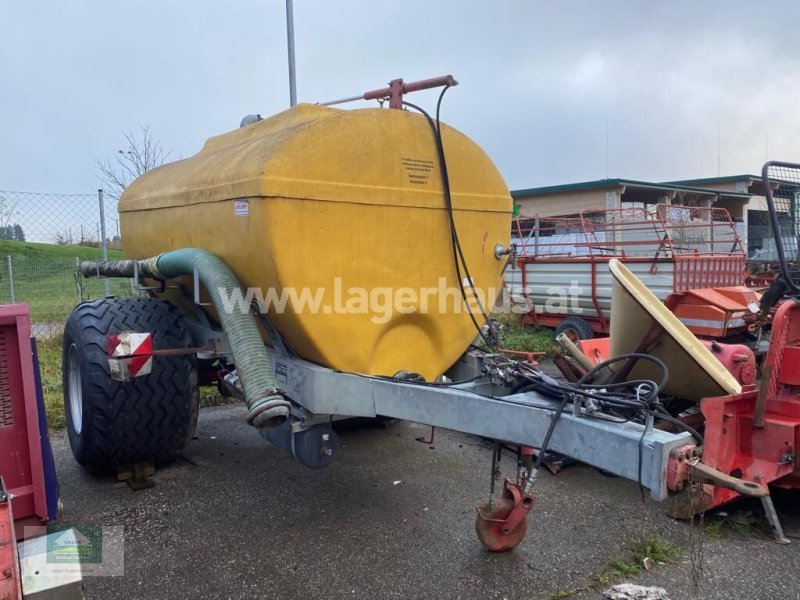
<point>148,419</point>
<point>503,525</point>
<point>575,329</point>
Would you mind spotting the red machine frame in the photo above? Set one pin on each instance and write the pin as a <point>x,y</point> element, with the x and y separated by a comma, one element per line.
<point>21,462</point>
<point>752,436</point>
<point>10,579</point>
<point>755,435</point>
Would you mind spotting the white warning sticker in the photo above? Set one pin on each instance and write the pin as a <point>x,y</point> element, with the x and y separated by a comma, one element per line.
<point>241,208</point>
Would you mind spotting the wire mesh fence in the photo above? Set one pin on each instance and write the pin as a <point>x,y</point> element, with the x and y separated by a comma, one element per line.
<point>43,237</point>
<point>782,187</point>
<point>62,219</point>
<point>51,288</point>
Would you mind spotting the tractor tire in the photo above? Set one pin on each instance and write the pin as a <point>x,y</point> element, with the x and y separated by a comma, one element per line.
<point>147,419</point>
<point>575,328</point>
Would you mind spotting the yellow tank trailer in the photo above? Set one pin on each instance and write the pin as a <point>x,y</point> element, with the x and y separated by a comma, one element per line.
<point>346,207</point>
<point>349,208</point>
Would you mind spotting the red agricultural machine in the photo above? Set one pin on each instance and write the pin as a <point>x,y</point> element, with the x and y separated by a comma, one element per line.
<point>690,257</point>
<point>28,486</point>
<point>750,436</point>
<point>755,435</point>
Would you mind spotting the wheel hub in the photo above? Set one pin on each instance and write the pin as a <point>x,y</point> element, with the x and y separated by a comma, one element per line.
<point>75,393</point>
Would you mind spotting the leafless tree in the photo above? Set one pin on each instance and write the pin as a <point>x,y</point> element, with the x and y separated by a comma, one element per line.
<point>61,238</point>
<point>141,154</point>
<point>7,211</point>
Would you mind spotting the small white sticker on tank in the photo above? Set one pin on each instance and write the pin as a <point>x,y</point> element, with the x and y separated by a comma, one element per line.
<point>241,208</point>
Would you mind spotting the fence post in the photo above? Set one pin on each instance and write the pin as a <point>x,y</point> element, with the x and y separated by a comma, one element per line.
<point>103,244</point>
<point>11,279</point>
<point>78,281</point>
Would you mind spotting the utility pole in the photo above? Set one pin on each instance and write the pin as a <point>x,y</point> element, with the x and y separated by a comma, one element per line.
<point>290,47</point>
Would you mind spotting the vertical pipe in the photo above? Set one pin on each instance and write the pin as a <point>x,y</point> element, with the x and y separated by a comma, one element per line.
<point>290,47</point>
<point>78,280</point>
<point>103,243</point>
<point>11,279</point>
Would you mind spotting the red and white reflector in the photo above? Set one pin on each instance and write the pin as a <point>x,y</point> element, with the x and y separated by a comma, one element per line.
<point>130,355</point>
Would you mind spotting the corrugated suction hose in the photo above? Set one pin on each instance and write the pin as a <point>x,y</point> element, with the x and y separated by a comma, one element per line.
<point>265,403</point>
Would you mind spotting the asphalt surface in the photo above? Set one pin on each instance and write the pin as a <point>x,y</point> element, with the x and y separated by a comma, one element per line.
<point>236,518</point>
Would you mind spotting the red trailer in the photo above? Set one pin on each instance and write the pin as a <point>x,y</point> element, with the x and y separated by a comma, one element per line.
<point>691,257</point>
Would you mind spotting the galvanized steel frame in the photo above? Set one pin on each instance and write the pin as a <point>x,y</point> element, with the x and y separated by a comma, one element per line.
<point>483,409</point>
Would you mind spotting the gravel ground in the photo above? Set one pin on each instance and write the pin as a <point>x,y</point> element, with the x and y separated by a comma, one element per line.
<point>235,518</point>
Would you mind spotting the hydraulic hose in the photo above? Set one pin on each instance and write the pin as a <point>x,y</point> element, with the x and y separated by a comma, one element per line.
<point>265,403</point>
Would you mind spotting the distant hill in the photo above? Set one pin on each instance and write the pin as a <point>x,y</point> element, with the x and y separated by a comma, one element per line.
<point>44,277</point>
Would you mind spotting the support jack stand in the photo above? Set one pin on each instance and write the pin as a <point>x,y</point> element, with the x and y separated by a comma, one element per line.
<point>137,476</point>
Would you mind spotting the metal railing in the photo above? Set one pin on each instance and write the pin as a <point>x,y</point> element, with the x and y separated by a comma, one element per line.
<point>665,232</point>
<point>782,188</point>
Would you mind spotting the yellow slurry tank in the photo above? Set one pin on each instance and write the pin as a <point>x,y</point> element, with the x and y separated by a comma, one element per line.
<point>345,209</point>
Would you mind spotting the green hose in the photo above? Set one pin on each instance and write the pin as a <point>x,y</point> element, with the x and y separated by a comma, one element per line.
<point>265,403</point>
<point>266,406</point>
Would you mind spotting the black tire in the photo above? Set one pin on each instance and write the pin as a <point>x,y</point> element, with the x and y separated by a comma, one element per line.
<point>575,329</point>
<point>150,418</point>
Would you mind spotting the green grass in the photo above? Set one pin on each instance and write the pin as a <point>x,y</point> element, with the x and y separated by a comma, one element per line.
<point>45,278</point>
<point>34,251</point>
<point>713,529</point>
<point>628,563</point>
<point>564,594</point>
<point>50,368</point>
<point>523,338</point>
<point>742,523</point>
<point>631,562</point>
<point>528,339</point>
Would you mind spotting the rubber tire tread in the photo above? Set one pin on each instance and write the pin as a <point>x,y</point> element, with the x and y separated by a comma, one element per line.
<point>577,324</point>
<point>149,418</point>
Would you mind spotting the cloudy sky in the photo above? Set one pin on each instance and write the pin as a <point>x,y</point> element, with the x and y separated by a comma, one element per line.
<point>554,91</point>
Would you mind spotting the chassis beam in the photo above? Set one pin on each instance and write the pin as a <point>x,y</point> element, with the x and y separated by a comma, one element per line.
<point>481,409</point>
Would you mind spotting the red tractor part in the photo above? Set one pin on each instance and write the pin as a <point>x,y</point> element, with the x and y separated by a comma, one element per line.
<point>716,312</point>
<point>751,438</point>
<point>502,524</point>
<point>10,581</point>
<point>25,458</point>
<point>738,359</point>
<point>28,486</point>
<point>686,471</point>
<point>754,435</point>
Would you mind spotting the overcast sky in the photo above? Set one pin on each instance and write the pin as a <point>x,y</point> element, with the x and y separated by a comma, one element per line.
<point>541,82</point>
